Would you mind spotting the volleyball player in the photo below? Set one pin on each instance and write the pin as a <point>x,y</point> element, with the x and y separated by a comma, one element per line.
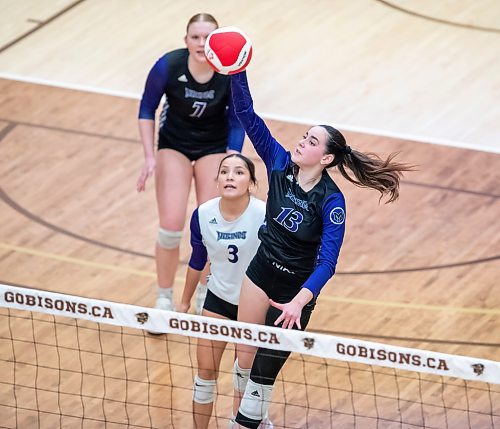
<point>197,127</point>
<point>223,229</point>
<point>300,244</point>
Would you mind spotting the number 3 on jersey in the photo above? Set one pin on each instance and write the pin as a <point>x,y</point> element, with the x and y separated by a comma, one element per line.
<point>233,253</point>
<point>289,218</point>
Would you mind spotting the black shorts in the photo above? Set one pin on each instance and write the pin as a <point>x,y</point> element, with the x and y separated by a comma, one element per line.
<point>275,279</point>
<point>218,306</point>
<point>193,154</point>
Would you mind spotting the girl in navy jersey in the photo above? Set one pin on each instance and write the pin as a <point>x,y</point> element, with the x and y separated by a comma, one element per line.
<point>223,229</point>
<point>197,127</point>
<point>300,244</point>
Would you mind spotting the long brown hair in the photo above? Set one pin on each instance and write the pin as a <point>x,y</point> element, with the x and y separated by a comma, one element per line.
<point>369,169</point>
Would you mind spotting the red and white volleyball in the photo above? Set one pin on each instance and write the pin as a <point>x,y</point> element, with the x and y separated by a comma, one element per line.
<point>228,50</point>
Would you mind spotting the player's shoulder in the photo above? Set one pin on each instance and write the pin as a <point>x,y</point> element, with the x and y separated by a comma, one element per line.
<point>176,54</point>
<point>209,205</point>
<point>256,209</point>
<point>332,195</point>
<point>330,189</point>
<point>175,58</point>
<point>257,203</point>
<point>172,59</point>
<point>334,208</point>
<point>282,160</point>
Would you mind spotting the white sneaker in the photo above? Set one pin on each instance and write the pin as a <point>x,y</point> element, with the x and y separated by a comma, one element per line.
<point>201,294</point>
<point>164,303</point>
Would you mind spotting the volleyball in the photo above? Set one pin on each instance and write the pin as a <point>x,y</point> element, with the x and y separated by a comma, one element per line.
<point>228,50</point>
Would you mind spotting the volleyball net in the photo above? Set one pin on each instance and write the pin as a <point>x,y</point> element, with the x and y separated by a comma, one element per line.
<point>68,361</point>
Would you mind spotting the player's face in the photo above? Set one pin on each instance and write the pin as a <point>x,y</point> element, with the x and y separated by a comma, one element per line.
<point>233,179</point>
<point>195,39</point>
<point>311,148</point>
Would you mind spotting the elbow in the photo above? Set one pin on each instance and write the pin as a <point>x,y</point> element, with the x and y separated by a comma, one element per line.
<point>243,109</point>
<point>328,267</point>
<point>332,268</point>
<point>146,114</point>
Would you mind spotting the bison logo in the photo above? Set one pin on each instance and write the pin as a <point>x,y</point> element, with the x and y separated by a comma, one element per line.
<point>308,343</point>
<point>478,368</point>
<point>142,318</point>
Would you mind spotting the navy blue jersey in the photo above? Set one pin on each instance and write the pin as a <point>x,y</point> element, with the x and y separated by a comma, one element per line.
<point>304,230</point>
<point>196,115</point>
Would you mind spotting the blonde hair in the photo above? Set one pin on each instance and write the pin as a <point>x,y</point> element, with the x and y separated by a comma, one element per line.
<point>202,17</point>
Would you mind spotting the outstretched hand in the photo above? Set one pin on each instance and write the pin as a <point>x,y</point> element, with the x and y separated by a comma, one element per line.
<point>290,316</point>
<point>146,172</point>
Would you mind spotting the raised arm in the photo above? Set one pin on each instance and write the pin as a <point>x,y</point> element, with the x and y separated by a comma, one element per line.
<point>236,134</point>
<point>271,152</point>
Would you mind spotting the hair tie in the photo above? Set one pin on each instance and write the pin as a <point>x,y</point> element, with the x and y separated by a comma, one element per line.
<point>347,150</point>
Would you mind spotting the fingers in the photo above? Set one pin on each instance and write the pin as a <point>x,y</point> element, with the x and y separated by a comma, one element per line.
<point>146,173</point>
<point>288,321</point>
<point>287,324</point>
<point>287,316</point>
<point>279,319</point>
<point>276,304</point>
<point>141,184</point>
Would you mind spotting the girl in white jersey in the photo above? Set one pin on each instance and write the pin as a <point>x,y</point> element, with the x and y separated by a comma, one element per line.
<point>223,230</point>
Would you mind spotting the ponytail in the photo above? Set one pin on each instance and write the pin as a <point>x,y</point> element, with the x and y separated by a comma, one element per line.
<point>370,171</point>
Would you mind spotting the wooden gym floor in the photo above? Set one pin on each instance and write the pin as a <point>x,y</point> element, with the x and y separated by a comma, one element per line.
<point>423,272</point>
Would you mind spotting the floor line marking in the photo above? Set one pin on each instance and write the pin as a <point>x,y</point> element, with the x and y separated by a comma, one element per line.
<point>180,280</point>
<point>77,261</point>
<point>427,307</point>
<point>271,116</point>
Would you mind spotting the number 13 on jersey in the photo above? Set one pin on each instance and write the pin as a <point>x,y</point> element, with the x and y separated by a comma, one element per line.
<point>289,218</point>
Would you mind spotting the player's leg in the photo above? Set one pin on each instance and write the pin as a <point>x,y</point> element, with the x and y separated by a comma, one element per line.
<point>173,176</point>
<point>252,308</point>
<point>205,173</point>
<point>253,410</point>
<point>209,354</point>
<point>205,176</point>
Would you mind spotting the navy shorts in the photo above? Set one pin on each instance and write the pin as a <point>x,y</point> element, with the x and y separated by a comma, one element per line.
<point>279,282</point>
<point>193,154</point>
<point>218,306</point>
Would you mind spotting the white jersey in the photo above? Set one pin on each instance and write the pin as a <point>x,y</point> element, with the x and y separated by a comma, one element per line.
<point>230,245</point>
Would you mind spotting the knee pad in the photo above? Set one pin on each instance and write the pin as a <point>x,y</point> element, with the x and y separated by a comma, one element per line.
<point>169,239</point>
<point>240,377</point>
<point>255,402</point>
<point>203,390</point>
